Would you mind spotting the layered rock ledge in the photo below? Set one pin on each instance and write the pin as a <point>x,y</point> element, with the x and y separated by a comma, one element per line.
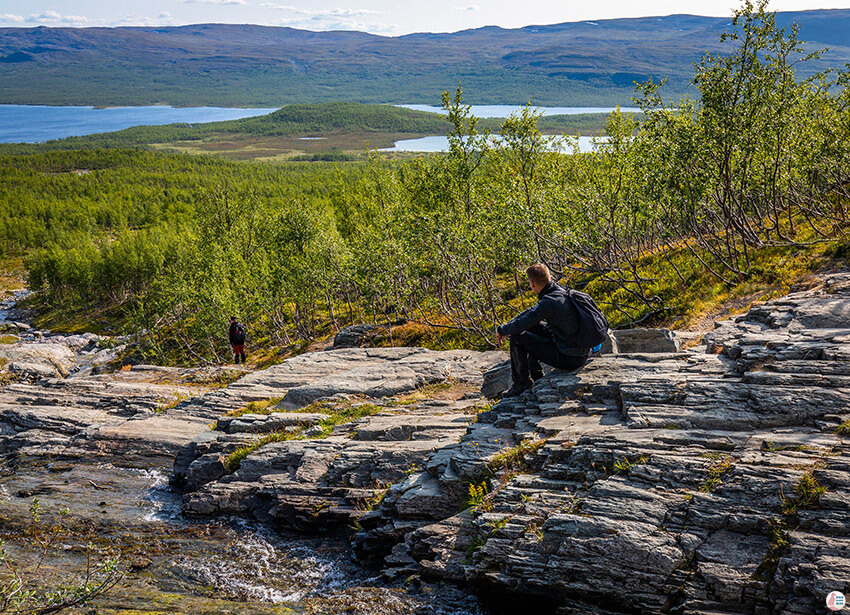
<point>711,480</point>
<point>708,480</point>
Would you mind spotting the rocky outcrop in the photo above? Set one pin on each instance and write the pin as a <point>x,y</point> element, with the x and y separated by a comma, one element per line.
<point>707,480</point>
<point>710,481</point>
<point>132,412</point>
<point>334,472</point>
<point>38,360</point>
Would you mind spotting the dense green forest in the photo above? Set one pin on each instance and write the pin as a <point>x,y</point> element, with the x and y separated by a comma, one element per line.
<point>744,191</point>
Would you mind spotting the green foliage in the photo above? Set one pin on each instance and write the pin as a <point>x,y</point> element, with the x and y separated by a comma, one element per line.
<point>514,458</point>
<point>844,428</point>
<point>265,406</point>
<point>622,466</point>
<point>678,210</point>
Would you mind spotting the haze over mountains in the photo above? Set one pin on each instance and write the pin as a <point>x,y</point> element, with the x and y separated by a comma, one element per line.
<point>581,63</point>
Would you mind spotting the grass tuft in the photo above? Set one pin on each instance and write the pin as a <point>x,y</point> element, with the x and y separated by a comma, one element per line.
<point>716,471</point>
<point>339,416</point>
<point>265,406</point>
<point>807,492</point>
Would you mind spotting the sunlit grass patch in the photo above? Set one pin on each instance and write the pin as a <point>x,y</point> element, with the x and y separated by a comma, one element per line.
<point>265,406</point>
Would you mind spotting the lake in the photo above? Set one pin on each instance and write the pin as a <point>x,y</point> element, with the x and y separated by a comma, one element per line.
<point>441,144</point>
<point>35,123</point>
<point>506,110</point>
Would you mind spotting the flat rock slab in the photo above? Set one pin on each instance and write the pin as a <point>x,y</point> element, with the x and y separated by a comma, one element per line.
<point>646,341</point>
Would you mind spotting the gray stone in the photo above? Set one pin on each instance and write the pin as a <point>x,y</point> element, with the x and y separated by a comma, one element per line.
<point>646,341</point>
<point>33,371</point>
<point>354,336</point>
<point>497,380</point>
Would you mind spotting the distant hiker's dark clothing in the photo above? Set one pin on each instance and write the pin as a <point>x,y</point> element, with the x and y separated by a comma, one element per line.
<point>236,334</point>
<point>552,343</point>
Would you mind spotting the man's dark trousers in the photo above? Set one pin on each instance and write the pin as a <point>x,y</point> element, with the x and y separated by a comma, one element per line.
<point>535,346</point>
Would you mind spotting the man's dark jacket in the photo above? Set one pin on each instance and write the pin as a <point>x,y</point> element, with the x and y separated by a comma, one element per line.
<point>556,308</point>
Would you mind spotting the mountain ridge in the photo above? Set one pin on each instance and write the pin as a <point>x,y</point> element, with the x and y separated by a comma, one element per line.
<point>571,63</point>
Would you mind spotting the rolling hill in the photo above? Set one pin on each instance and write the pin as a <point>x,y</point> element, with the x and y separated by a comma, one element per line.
<point>581,63</point>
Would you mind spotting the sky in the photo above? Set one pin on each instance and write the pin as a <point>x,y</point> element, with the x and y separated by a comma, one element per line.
<point>385,17</point>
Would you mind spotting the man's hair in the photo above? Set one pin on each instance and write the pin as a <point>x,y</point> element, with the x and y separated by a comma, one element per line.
<point>539,273</point>
<point>233,318</point>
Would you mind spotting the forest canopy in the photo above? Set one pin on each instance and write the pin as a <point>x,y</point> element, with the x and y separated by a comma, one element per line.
<point>700,196</point>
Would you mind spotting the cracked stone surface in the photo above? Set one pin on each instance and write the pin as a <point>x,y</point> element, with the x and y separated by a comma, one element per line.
<point>706,480</point>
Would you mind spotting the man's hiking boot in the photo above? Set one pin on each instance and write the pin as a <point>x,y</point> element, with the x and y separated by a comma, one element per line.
<point>516,390</point>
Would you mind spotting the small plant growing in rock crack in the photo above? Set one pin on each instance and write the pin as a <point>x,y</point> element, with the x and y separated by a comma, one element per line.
<point>716,471</point>
<point>495,525</point>
<point>514,458</point>
<point>779,541</point>
<point>533,530</point>
<point>807,492</point>
<point>166,404</point>
<point>477,495</point>
<point>20,590</point>
<point>265,406</point>
<point>622,466</point>
<point>474,546</point>
<point>843,429</point>
<point>374,501</point>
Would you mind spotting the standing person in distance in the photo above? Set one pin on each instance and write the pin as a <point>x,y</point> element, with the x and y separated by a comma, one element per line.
<point>237,339</point>
<point>561,331</point>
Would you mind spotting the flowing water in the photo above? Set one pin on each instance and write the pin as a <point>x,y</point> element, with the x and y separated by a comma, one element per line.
<point>124,505</point>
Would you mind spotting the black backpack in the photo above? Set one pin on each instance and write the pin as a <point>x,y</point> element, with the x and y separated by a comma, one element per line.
<point>592,324</point>
<point>240,334</point>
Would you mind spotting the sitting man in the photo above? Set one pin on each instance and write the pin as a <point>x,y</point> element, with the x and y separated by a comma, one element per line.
<point>553,343</point>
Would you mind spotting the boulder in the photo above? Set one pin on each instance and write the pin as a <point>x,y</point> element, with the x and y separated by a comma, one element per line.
<point>56,357</point>
<point>497,380</point>
<point>643,341</point>
<point>354,336</point>
<point>33,371</point>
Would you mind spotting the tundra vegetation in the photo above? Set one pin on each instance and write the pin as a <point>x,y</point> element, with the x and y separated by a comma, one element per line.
<point>736,194</point>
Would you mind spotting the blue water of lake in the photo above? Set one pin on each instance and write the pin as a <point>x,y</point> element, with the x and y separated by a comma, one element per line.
<point>36,123</point>
<point>441,144</point>
<point>506,110</point>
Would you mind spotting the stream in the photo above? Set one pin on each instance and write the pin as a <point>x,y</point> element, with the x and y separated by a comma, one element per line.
<point>123,505</point>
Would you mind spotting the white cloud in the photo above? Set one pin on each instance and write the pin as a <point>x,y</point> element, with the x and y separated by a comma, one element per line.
<point>471,7</point>
<point>336,18</point>
<point>11,17</point>
<point>56,18</point>
<point>334,12</point>
<point>135,19</point>
<point>324,23</point>
<point>219,2</point>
